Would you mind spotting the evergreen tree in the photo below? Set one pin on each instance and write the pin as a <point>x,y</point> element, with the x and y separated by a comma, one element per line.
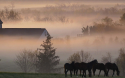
<point>46,57</point>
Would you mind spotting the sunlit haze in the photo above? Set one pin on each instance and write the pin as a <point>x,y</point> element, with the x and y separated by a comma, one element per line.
<point>61,19</point>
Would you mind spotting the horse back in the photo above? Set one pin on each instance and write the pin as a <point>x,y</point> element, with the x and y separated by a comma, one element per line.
<point>111,65</point>
<point>84,66</point>
<point>77,65</point>
<point>99,66</point>
<point>115,66</point>
<point>68,66</point>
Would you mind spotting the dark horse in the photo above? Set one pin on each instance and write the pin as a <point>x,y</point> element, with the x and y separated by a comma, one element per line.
<point>77,67</point>
<point>84,66</point>
<point>68,67</point>
<point>99,66</point>
<point>113,67</point>
<point>80,66</point>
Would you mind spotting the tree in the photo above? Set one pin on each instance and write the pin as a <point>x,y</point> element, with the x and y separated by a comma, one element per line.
<point>85,56</point>
<point>46,57</point>
<point>80,57</point>
<point>26,60</point>
<point>107,21</point>
<point>107,58</point>
<point>122,19</point>
<point>74,57</point>
<point>120,61</point>
<point>85,30</point>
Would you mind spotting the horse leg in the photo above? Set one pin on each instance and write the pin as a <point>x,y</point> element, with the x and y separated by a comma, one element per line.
<point>113,73</point>
<point>89,73</point>
<point>66,72</point>
<point>80,72</point>
<point>94,71</point>
<point>83,74</point>
<point>104,73</point>
<point>71,73</point>
<point>74,72</point>
<point>99,73</point>
<point>107,72</point>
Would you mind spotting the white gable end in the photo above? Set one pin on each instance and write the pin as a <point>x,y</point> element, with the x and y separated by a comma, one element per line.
<point>44,35</point>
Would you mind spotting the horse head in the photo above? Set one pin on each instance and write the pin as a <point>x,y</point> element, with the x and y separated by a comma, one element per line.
<point>116,67</point>
<point>95,61</point>
<point>73,62</point>
<point>118,72</point>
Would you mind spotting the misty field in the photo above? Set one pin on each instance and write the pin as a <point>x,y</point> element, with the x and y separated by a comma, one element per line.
<point>39,75</point>
<point>96,28</point>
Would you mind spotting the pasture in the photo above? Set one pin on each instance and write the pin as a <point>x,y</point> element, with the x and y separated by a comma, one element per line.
<point>39,75</point>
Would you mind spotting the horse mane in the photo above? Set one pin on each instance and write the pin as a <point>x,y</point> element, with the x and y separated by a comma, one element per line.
<point>73,62</point>
<point>82,62</point>
<point>108,63</point>
<point>94,61</point>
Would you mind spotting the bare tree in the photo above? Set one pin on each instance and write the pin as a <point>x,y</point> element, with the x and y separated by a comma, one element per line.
<point>26,60</point>
<point>85,56</point>
<point>80,57</point>
<point>120,61</point>
<point>107,58</point>
<point>74,57</point>
<point>12,5</point>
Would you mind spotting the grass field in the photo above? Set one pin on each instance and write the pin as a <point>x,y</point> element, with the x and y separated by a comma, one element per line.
<point>39,75</point>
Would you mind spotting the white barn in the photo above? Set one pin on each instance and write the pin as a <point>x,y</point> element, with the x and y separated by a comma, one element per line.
<point>39,33</point>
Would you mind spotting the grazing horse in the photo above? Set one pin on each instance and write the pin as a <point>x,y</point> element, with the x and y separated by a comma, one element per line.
<point>99,66</point>
<point>80,66</point>
<point>90,66</point>
<point>76,68</point>
<point>83,67</point>
<point>113,67</point>
<point>68,67</point>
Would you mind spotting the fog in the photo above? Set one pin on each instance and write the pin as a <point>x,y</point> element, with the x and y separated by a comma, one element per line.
<point>60,20</point>
<point>96,46</point>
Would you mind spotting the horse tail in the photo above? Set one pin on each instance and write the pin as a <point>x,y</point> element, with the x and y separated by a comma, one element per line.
<point>64,69</point>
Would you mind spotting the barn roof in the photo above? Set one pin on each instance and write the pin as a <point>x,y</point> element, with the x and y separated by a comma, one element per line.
<point>1,21</point>
<point>22,31</point>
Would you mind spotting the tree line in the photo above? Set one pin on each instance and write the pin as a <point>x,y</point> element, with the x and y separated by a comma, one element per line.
<point>10,14</point>
<point>58,13</point>
<point>106,26</point>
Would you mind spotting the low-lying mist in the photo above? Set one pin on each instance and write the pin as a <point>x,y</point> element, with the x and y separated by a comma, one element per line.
<point>97,46</point>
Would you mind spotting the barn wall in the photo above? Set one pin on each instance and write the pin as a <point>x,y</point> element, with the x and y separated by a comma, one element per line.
<point>0,25</point>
